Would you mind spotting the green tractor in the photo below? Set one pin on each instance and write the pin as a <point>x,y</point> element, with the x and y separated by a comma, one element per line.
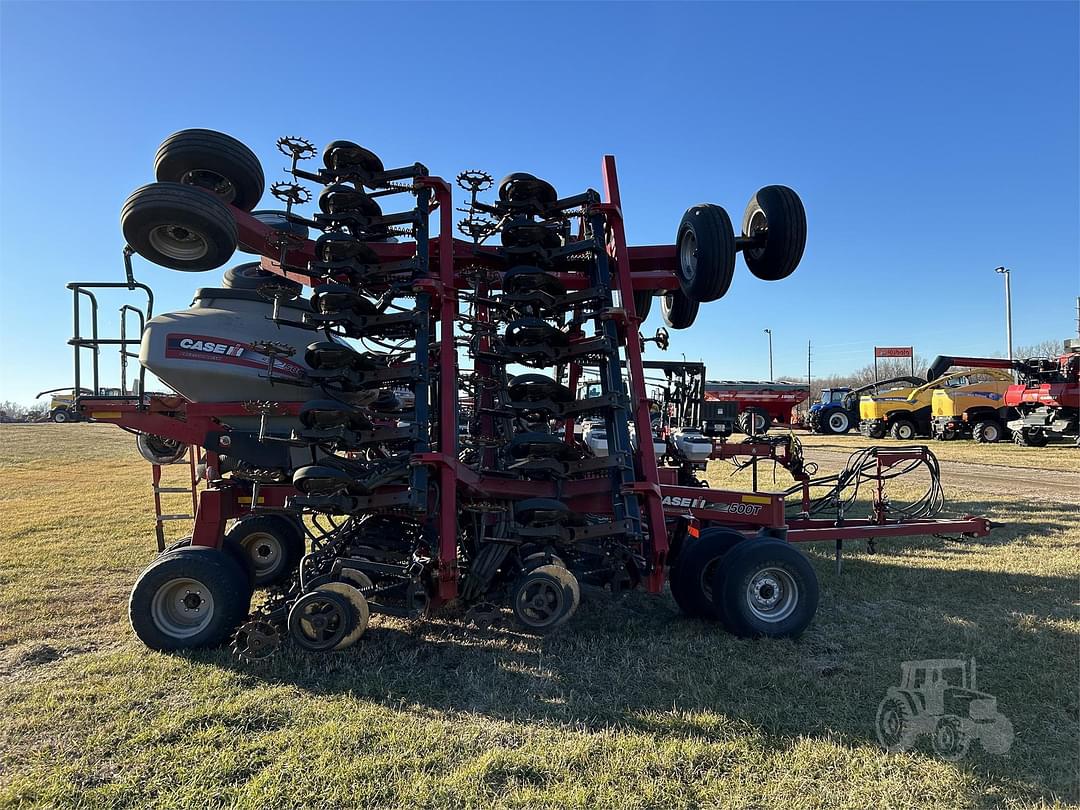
<point>937,697</point>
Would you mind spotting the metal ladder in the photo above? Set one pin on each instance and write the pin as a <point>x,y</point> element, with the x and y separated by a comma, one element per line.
<point>159,517</point>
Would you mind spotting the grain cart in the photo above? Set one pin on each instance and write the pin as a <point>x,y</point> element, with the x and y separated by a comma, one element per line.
<point>1047,400</point>
<point>293,400</point>
<point>758,405</point>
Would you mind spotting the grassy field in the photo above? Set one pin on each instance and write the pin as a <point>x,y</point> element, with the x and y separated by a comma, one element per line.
<point>629,706</point>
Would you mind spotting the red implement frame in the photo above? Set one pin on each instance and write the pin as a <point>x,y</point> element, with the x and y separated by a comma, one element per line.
<point>633,268</point>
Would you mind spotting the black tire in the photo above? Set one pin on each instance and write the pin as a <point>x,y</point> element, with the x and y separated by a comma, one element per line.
<point>691,575</point>
<point>230,547</point>
<point>833,424</point>
<point>779,211</point>
<point>988,431</point>
<point>212,160</point>
<point>272,543</point>
<point>277,221</point>
<point>706,247</point>
<point>345,158</point>
<point>251,276</point>
<point>643,300</point>
<point>61,415</point>
<point>179,227</point>
<point>761,418</point>
<point>678,311</point>
<point>877,432</point>
<point>166,600</point>
<point>1026,437</point>
<point>765,588</point>
<point>903,430</point>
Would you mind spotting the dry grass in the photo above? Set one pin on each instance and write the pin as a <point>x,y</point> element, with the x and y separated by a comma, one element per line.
<point>630,706</point>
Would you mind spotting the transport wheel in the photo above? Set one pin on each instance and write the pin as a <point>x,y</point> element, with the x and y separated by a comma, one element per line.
<point>321,620</point>
<point>903,430</point>
<point>894,725</point>
<point>986,432</point>
<point>190,598</point>
<point>951,740</point>
<point>777,213</point>
<point>678,311</point>
<point>323,481</point>
<point>537,444</point>
<point>233,549</point>
<point>61,415</point>
<point>279,222</point>
<point>159,450</point>
<point>706,247</point>
<point>765,587</point>
<point>1026,437</point>
<point>643,300</point>
<point>273,543</point>
<point>838,422</point>
<point>691,576</point>
<point>214,161</point>
<point>179,227</point>
<point>543,599</point>
<point>251,276</point>
<point>346,157</point>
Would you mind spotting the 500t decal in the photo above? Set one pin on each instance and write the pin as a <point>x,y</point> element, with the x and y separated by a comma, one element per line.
<point>223,350</point>
<point>715,506</point>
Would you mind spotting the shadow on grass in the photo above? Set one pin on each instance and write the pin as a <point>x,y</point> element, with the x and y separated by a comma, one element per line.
<point>636,663</point>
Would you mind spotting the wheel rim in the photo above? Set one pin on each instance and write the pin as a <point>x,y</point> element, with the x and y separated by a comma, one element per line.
<point>321,620</point>
<point>838,421</point>
<point>688,253</point>
<point>772,594</point>
<point>541,602</point>
<point>219,184</point>
<point>265,552</point>
<point>182,607</point>
<point>904,432</point>
<point>177,242</point>
<point>757,225</point>
<point>990,433</point>
<point>759,423</point>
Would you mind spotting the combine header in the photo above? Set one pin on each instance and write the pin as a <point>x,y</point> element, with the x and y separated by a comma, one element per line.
<point>368,473</point>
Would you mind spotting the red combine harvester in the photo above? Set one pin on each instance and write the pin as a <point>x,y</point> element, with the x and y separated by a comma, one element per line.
<point>1047,401</point>
<point>759,405</point>
<point>330,425</point>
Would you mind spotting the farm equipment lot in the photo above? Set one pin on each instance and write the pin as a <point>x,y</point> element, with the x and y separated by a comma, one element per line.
<point>636,707</point>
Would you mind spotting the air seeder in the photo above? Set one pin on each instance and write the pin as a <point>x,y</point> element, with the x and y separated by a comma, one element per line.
<point>339,428</point>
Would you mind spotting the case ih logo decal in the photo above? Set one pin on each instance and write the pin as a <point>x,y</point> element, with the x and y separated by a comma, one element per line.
<point>222,350</point>
<point>702,503</point>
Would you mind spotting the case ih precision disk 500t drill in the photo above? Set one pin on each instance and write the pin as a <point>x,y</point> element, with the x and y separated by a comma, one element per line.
<point>367,472</point>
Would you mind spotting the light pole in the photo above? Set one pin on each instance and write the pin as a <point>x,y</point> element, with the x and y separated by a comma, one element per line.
<point>769,333</point>
<point>1008,308</point>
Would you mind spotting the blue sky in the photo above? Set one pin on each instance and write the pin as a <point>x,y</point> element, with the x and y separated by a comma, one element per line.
<point>930,143</point>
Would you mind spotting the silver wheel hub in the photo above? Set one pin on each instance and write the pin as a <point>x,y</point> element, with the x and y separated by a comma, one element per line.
<point>264,550</point>
<point>182,607</point>
<point>177,242</point>
<point>688,251</point>
<point>772,594</point>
